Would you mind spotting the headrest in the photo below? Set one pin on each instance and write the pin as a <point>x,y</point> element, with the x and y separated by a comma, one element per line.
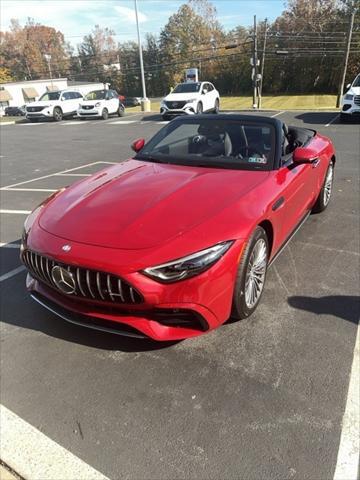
<point>211,129</point>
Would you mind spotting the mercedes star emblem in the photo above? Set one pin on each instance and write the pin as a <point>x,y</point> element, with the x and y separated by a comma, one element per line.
<point>63,279</point>
<point>66,248</point>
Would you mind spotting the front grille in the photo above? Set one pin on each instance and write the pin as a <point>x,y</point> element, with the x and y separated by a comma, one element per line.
<point>34,109</point>
<point>357,99</point>
<point>175,105</point>
<point>90,284</point>
<point>87,107</point>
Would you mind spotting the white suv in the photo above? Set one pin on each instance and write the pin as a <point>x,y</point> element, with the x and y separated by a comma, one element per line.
<point>189,98</point>
<point>101,104</point>
<point>350,103</point>
<point>55,105</point>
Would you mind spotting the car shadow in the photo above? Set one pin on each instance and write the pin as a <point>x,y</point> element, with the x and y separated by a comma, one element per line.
<point>152,118</point>
<point>346,307</point>
<point>318,118</point>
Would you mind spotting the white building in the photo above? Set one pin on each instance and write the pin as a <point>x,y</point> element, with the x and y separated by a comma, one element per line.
<point>16,94</point>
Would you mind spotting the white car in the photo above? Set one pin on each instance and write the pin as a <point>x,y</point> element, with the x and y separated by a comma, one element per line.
<point>101,104</point>
<point>350,103</point>
<point>55,105</point>
<point>190,98</point>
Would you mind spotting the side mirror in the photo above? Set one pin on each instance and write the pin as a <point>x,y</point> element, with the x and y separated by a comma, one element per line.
<point>138,145</point>
<point>204,92</point>
<point>304,155</point>
<point>348,86</point>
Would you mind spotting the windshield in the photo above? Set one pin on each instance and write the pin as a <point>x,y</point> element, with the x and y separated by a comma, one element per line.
<point>187,87</point>
<point>96,95</point>
<point>356,82</point>
<point>234,144</point>
<point>49,96</point>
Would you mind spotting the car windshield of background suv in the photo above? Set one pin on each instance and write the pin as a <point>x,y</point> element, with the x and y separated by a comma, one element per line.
<point>187,88</point>
<point>356,82</point>
<point>49,96</point>
<point>96,95</point>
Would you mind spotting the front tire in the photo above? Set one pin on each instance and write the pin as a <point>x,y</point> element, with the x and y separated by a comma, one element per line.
<point>199,108</point>
<point>217,106</point>
<point>251,275</point>
<point>58,114</point>
<point>324,197</point>
<point>105,114</point>
<point>121,111</point>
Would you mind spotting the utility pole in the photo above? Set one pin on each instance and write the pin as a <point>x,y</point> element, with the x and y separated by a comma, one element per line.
<point>346,59</point>
<point>254,65</point>
<point>145,103</point>
<point>262,65</point>
<point>48,58</point>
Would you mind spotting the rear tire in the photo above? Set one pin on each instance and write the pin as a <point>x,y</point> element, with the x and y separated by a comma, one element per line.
<point>251,276</point>
<point>105,114</point>
<point>58,114</point>
<point>324,197</point>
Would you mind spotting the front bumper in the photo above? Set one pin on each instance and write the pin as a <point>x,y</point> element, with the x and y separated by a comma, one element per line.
<point>188,109</point>
<point>168,312</point>
<point>94,112</point>
<point>350,109</point>
<point>43,114</point>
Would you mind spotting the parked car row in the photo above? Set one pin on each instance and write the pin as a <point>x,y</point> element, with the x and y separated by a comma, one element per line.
<point>70,103</point>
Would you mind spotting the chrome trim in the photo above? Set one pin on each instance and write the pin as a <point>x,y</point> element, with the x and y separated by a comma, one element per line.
<point>88,283</point>
<point>120,290</point>
<point>132,296</point>
<point>108,282</point>
<point>98,284</point>
<point>78,278</point>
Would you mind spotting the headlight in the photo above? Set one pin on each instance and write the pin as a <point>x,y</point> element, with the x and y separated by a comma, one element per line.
<point>191,100</point>
<point>97,104</point>
<point>348,96</point>
<point>189,266</point>
<point>32,216</point>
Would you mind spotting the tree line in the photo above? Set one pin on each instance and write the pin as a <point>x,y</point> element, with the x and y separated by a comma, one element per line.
<point>304,51</point>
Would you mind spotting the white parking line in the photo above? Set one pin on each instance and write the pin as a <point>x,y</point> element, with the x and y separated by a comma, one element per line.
<point>10,274</point>
<point>347,464</point>
<point>277,114</point>
<point>18,212</point>
<point>123,122</point>
<point>79,122</point>
<point>30,189</point>
<point>32,454</point>
<point>52,174</point>
<point>332,121</point>
<point>165,122</point>
<point>72,174</point>
<point>9,245</point>
<point>35,124</point>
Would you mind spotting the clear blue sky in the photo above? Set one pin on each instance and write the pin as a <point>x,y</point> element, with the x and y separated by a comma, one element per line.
<point>76,18</point>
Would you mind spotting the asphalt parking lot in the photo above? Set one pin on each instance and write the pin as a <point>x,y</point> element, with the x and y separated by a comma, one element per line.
<point>263,398</point>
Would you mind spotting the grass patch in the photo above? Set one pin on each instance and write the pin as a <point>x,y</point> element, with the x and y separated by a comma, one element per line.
<point>279,102</point>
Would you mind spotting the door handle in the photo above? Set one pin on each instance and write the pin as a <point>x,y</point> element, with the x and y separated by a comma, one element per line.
<point>279,203</point>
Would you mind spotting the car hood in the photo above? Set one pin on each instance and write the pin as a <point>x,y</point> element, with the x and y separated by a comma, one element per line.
<point>42,104</point>
<point>354,91</point>
<point>138,205</point>
<point>173,97</point>
<point>90,102</point>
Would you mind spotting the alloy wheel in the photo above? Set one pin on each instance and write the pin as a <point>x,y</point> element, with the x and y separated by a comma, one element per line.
<point>255,274</point>
<point>328,184</point>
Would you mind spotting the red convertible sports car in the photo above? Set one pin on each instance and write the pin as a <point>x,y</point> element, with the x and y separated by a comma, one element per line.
<point>174,241</point>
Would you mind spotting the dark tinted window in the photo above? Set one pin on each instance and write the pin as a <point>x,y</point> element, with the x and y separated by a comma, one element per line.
<point>187,87</point>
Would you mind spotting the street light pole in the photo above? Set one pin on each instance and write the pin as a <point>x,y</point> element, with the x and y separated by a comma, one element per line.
<point>346,59</point>
<point>254,65</point>
<point>48,58</point>
<point>262,64</point>
<point>145,104</point>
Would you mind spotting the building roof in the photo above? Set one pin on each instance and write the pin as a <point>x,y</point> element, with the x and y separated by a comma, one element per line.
<point>5,96</point>
<point>24,82</point>
<point>30,92</point>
